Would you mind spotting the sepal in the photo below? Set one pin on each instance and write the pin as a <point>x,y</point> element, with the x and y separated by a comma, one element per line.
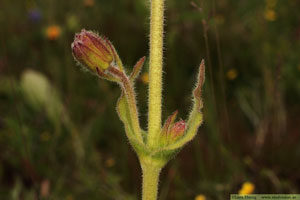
<point>107,76</point>
<point>116,55</point>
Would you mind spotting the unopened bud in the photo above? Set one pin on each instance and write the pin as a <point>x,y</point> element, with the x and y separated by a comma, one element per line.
<point>92,51</point>
<point>172,130</point>
<point>177,130</point>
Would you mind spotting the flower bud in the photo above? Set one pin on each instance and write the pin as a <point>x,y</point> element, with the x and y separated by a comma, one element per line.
<point>172,130</point>
<point>177,130</point>
<point>92,51</point>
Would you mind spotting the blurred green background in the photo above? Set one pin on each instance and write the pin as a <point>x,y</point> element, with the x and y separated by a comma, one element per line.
<point>61,139</point>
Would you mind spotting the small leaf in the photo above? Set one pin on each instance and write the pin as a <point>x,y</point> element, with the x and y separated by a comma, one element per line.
<point>137,69</point>
<point>198,90</point>
<point>123,112</point>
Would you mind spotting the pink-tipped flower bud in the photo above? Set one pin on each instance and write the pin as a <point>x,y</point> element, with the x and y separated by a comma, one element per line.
<point>177,130</point>
<point>92,51</point>
<point>172,130</point>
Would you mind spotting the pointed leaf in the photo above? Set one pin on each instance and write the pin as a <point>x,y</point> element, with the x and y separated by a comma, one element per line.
<point>137,69</point>
<point>198,90</point>
<point>196,116</point>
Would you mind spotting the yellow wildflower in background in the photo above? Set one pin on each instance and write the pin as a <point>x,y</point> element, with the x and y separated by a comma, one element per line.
<point>231,74</point>
<point>247,188</point>
<point>270,15</point>
<point>200,197</point>
<point>53,32</point>
<point>145,78</point>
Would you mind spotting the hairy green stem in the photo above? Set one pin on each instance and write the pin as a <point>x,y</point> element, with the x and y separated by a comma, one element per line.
<point>129,92</point>
<point>150,181</point>
<point>155,71</point>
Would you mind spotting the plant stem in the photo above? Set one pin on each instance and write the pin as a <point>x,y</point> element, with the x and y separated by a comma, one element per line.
<point>150,169</point>
<point>150,181</point>
<point>129,92</point>
<point>155,70</point>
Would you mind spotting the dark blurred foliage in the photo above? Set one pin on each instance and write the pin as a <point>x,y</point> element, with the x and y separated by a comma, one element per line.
<point>60,137</point>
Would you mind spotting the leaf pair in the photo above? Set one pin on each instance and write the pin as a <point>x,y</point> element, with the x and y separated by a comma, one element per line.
<point>173,145</point>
